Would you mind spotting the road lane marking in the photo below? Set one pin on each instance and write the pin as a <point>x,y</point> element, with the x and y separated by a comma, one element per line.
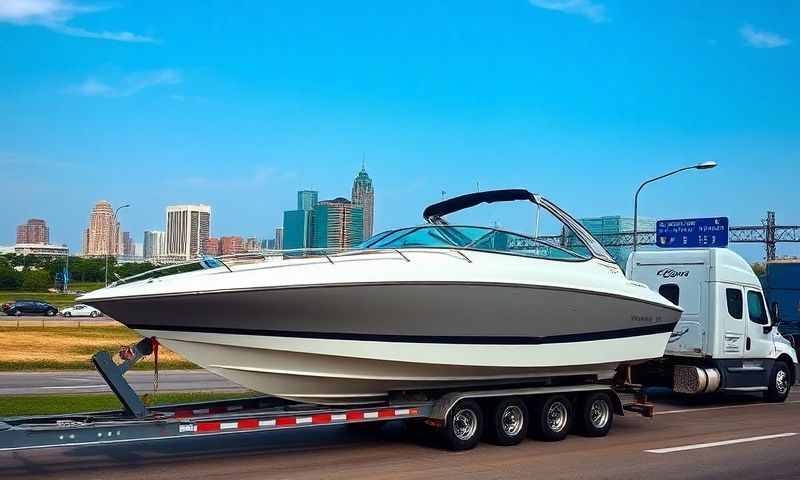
<point>719,444</point>
<point>76,387</point>
<point>689,410</point>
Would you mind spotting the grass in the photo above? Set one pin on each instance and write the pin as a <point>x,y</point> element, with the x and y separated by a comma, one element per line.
<point>17,405</point>
<point>85,286</point>
<point>27,348</point>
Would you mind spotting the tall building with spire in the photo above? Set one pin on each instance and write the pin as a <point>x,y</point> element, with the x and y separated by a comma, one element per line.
<point>364,197</point>
<point>103,236</point>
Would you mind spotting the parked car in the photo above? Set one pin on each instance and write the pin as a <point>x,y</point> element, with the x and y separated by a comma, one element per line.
<point>29,307</point>
<point>81,311</point>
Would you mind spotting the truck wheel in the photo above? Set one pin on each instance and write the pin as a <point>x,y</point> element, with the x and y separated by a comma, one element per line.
<point>552,418</point>
<point>595,414</point>
<point>508,423</point>
<point>464,426</point>
<point>779,383</point>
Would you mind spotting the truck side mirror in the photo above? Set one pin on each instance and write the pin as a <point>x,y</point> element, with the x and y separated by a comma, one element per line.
<point>776,317</point>
<point>776,314</point>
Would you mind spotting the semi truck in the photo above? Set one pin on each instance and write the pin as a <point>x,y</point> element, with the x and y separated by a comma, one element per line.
<point>727,337</point>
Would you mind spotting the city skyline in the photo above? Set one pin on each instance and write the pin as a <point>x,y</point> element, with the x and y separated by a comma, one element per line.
<point>439,97</point>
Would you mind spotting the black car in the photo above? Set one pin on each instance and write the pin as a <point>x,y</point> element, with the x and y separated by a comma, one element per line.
<point>29,307</point>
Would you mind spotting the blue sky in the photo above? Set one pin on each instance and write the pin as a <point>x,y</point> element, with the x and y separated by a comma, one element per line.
<point>239,104</point>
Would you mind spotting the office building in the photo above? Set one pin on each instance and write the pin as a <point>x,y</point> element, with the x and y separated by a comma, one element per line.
<point>252,244</point>
<point>231,245</point>
<point>34,231</point>
<point>612,225</point>
<point>278,239</point>
<point>128,246</point>
<point>297,223</point>
<point>188,229</point>
<point>212,246</point>
<point>41,249</point>
<point>102,237</point>
<point>297,229</point>
<point>337,224</point>
<point>364,197</point>
<point>154,244</point>
<point>307,199</point>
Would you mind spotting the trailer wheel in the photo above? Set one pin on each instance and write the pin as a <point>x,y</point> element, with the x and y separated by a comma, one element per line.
<point>552,418</point>
<point>464,426</point>
<point>508,423</point>
<point>779,383</point>
<point>595,414</point>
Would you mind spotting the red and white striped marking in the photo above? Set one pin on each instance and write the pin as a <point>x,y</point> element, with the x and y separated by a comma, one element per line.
<point>290,421</point>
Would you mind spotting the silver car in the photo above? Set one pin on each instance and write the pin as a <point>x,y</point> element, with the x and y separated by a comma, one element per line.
<point>81,311</point>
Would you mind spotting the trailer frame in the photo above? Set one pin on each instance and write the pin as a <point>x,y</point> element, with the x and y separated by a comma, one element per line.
<point>136,422</point>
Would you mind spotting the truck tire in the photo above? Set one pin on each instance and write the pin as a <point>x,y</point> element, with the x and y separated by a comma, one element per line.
<point>508,422</point>
<point>552,418</point>
<point>464,426</point>
<point>779,383</point>
<point>595,414</point>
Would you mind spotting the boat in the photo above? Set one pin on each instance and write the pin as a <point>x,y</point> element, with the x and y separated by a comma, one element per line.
<point>410,310</point>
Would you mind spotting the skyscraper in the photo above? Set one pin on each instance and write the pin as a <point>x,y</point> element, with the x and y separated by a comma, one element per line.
<point>297,229</point>
<point>307,199</point>
<point>128,247</point>
<point>187,230</point>
<point>278,239</point>
<point>154,244</point>
<point>338,223</point>
<point>34,231</point>
<point>102,237</point>
<point>297,223</point>
<point>364,197</point>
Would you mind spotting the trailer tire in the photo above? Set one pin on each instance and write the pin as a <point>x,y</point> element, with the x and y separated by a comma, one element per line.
<point>780,382</point>
<point>595,414</point>
<point>464,426</point>
<point>508,422</point>
<point>552,418</point>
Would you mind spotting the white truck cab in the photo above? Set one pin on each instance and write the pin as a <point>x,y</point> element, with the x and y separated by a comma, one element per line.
<point>726,338</point>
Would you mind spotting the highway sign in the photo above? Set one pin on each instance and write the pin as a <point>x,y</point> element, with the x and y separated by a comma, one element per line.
<point>692,233</point>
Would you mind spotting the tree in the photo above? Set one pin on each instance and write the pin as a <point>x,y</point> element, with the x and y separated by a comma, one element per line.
<point>10,279</point>
<point>36,280</point>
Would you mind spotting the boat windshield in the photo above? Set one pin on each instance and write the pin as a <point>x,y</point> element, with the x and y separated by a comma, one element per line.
<point>479,238</point>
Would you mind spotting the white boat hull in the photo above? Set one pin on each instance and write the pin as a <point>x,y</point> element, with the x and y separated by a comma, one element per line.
<point>328,371</point>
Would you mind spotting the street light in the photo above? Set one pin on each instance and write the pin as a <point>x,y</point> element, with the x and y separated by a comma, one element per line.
<point>114,225</point>
<point>699,166</point>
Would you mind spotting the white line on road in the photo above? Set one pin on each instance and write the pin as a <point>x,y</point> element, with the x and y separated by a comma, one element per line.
<point>76,386</point>
<point>719,444</point>
<point>690,410</point>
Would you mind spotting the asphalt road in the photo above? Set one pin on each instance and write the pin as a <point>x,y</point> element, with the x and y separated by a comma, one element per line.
<point>89,381</point>
<point>741,438</point>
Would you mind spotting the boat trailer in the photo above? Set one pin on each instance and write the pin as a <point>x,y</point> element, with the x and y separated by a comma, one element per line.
<point>138,422</point>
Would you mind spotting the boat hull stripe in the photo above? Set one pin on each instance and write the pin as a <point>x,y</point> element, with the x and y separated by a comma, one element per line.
<point>462,340</point>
